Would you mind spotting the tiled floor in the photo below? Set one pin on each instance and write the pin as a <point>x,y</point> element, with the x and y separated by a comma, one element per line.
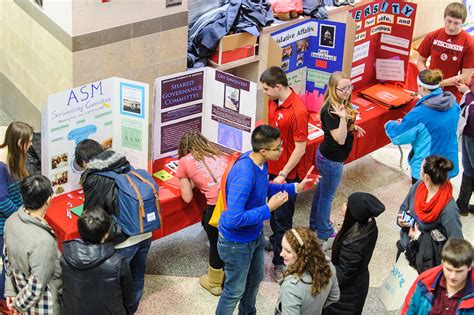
<point>176,261</point>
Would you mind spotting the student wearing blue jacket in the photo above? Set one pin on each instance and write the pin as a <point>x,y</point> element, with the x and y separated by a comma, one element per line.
<point>430,127</point>
<point>241,241</point>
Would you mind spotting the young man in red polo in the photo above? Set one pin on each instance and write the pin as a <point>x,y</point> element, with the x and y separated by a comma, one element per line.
<point>447,289</point>
<point>451,50</point>
<point>287,113</point>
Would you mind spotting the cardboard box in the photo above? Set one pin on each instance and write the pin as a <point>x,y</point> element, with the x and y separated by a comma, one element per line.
<point>234,47</point>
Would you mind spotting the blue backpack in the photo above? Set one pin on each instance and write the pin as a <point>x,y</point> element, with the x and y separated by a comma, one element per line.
<point>138,201</point>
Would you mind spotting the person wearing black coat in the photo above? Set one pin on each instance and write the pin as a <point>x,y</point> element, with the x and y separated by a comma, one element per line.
<point>90,261</point>
<point>352,251</point>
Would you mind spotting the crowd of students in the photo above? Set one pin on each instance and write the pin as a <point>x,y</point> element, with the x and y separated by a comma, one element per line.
<point>103,271</point>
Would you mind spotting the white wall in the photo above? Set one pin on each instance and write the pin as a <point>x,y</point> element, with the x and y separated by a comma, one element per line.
<point>93,15</point>
<point>60,12</point>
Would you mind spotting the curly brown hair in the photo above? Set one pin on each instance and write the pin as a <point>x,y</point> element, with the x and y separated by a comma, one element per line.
<point>310,258</point>
<point>195,143</point>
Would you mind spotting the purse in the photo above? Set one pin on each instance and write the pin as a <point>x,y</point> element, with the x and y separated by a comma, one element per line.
<point>221,198</point>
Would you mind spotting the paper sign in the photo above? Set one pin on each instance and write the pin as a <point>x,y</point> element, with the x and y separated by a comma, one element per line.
<point>320,78</point>
<point>361,51</point>
<point>163,175</point>
<point>394,40</point>
<point>389,69</point>
<point>357,70</point>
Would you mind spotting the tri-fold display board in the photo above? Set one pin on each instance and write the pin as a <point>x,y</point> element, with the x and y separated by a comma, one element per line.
<point>382,43</point>
<point>113,112</point>
<point>219,105</point>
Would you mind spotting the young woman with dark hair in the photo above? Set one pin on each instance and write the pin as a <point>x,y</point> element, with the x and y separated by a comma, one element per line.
<point>201,164</point>
<point>18,138</point>
<point>352,250</point>
<point>309,283</point>
<point>430,203</point>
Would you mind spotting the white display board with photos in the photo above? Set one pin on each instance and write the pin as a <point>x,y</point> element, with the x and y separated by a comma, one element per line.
<point>114,112</point>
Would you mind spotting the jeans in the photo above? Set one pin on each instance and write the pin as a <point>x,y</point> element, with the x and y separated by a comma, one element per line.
<point>212,235</point>
<point>244,270</point>
<point>2,276</point>
<point>331,173</point>
<point>136,255</point>
<point>281,220</point>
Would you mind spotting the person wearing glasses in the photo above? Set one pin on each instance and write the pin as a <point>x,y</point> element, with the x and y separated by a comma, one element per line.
<point>250,200</point>
<point>338,123</point>
<point>431,126</point>
<point>288,113</point>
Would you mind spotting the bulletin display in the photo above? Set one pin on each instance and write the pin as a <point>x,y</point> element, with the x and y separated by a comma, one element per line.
<point>384,31</point>
<point>311,51</point>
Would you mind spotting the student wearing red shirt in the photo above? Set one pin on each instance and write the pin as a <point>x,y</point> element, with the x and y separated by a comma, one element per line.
<point>287,113</point>
<point>451,50</point>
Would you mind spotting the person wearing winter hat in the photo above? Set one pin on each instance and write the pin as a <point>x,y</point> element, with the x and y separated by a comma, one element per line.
<point>352,251</point>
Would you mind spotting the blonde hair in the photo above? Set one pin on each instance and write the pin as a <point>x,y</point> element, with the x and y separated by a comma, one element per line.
<point>331,97</point>
<point>195,143</point>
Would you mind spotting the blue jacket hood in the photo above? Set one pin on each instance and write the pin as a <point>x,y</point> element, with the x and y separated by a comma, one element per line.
<point>438,100</point>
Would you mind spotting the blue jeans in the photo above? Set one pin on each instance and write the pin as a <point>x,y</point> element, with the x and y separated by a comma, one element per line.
<point>244,270</point>
<point>136,256</point>
<point>331,173</point>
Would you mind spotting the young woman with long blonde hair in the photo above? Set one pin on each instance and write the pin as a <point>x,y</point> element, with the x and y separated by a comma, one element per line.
<point>338,123</point>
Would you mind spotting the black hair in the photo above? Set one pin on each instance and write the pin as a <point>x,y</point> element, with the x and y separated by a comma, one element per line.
<point>437,168</point>
<point>343,234</point>
<point>86,150</point>
<point>93,224</point>
<point>263,135</point>
<point>35,191</point>
<point>273,76</point>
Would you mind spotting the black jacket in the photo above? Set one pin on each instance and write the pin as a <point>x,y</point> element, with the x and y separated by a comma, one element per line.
<point>96,280</point>
<point>102,191</point>
<point>352,269</point>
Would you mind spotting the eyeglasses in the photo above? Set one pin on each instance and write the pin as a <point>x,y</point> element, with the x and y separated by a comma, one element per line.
<point>278,148</point>
<point>346,89</point>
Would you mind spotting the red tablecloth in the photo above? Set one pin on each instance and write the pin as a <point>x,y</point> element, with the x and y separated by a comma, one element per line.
<point>175,213</point>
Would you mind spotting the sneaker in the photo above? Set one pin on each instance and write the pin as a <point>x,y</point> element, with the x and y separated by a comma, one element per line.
<point>464,213</point>
<point>268,246</point>
<point>277,272</point>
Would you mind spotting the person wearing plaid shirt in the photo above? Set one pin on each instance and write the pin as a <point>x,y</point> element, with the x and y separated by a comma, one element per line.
<point>33,283</point>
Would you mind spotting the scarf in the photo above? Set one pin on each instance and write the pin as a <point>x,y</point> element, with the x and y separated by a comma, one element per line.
<point>429,211</point>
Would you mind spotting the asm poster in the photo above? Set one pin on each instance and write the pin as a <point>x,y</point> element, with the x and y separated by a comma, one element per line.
<point>384,30</point>
<point>219,105</point>
<point>311,51</point>
<point>114,112</point>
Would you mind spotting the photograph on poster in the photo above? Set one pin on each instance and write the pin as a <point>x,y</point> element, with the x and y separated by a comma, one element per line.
<point>285,65</point>
<point>132,100</point>
<point>327,36</point>
<point>302,45</point>
<point>106,144</point>
<point>229,137</point>
<point>287,51</point>
<point>58,161</point>
<point>231,98</point>
<point>59,178</point>
<point>299,59</point>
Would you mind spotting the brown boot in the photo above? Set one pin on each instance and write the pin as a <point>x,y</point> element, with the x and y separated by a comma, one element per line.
<point>212,281</point>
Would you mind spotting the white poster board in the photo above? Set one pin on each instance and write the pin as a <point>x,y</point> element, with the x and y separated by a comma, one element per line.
<point>114,112</point>
<point>219,105</point>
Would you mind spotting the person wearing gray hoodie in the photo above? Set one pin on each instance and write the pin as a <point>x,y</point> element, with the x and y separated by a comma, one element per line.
<point>431,126</point>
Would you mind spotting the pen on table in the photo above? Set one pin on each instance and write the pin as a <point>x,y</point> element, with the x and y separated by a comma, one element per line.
<point>370,108</point>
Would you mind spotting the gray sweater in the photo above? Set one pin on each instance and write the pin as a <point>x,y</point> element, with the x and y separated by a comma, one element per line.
<point>33,273</point>
<point>295,295</point>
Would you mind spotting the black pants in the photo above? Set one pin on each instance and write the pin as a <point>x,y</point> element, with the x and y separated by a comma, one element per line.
<point>212,235</point>
<point>280,222</point>
<point>465,193</point>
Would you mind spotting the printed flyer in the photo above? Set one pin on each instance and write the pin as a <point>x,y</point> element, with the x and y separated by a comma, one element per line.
<point>114,112</point>
<point>311,51</point>
<point>384,30</point>
<point>219,105</point>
